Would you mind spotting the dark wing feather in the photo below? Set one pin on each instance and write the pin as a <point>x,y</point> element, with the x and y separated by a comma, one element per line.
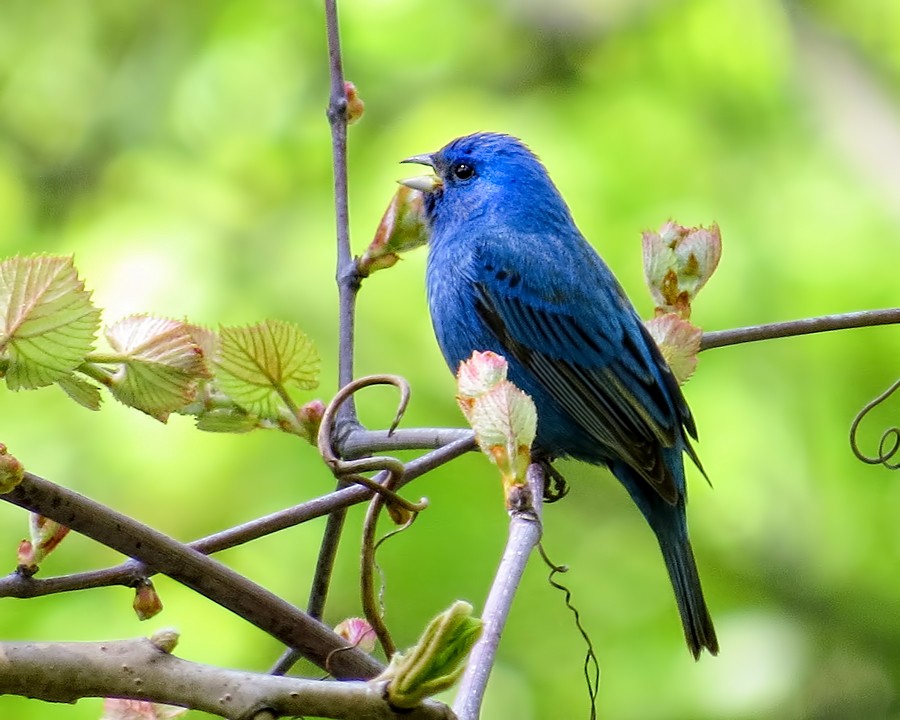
<point>599,363</point>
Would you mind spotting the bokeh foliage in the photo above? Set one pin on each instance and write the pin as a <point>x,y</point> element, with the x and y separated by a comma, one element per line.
<point>180,151</point>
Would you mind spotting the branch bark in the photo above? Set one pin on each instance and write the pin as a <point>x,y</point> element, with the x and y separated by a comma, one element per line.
<point>524,535</point>
<point>792,328</point>
<point>211,579</point>
<point>138,669</point>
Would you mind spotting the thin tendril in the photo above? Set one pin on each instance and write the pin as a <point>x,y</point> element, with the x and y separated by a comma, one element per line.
<point>888,445</point>
<point>591,664</point>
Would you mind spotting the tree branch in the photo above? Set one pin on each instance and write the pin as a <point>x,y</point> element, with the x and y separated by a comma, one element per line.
<point>524,535</point>
<point>131,571</point>
<point>138,669</point>
<point>791,328</point>
<point>211,579</point>
<point>348,282</point>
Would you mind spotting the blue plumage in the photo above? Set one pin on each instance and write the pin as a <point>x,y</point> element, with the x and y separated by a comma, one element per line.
<point>508,271</point>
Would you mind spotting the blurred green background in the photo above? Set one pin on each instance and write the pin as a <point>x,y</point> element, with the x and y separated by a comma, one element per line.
<point>180,151</point>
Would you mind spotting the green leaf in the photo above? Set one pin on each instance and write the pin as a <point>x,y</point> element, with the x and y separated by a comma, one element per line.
<point>226,420</point>
<point>436,661</point>
<point>81,391</point>
<point>257,364</point>
<point>161,365</point>
<point>47,321</point>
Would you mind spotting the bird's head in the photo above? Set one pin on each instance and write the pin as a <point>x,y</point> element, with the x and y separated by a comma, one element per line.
<point>482,174</point>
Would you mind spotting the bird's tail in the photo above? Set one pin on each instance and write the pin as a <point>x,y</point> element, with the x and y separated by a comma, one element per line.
<point>698,627</point>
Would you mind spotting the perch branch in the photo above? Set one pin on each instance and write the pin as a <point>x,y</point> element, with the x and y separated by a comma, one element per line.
<point>524,535</point>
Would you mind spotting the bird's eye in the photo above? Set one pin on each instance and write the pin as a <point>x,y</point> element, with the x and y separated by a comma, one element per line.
<point>463,171</point>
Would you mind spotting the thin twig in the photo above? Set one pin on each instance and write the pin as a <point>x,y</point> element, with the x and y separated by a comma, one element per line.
<point>791,328</point>
<point>367,442</point>
<point>524,535</point>
<point>348,281</point>
<point>128,573</point>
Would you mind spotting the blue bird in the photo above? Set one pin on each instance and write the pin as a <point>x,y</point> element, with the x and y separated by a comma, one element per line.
<point>508,271</point>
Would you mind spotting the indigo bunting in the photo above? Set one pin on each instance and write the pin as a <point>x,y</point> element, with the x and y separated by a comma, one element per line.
<point>508,271</point>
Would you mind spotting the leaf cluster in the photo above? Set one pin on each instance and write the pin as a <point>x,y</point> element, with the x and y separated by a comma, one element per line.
<point>233,380</point>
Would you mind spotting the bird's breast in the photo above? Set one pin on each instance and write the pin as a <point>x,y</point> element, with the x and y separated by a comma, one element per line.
<point>452,302</point>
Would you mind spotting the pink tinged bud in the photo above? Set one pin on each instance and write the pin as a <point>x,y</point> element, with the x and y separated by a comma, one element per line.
<point>46,535</point>
<point>679,342</point>
<point>358,633</point>
<point>503,417</point>
<point>11,471</point>
<point>310,418</point>
<point>480,373</point>
<point>25,558</point>
<point>403,227</point>
<point>355,105</point>
<point>678,261</point>
<point>146,601</point>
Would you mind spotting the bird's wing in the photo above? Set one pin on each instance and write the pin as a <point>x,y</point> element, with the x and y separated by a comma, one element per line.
<point>574,330</point>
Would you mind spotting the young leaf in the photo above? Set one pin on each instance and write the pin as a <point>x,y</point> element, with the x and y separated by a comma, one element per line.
<point>257,364</point>
<point>403,227</point>
<point>81,391</point>
<point>11,470</point>
<point>678,261</point>
<point>47,321</point>
<point>436,661</point>
<point>503,417</point>
<point>46,535</point>
<point>160,365</point>
<point>226,420</point>
<point>358,632</point>
<point>679,342</point>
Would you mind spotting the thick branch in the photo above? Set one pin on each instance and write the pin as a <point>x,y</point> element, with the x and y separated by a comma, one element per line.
<point>524,535</point>
<point>138,669</point>
<point>206,576</point>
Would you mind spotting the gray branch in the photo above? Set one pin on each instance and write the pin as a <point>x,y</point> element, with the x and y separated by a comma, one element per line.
<point>139,670</point>
<point>524,535</point>
<point>206,576</point>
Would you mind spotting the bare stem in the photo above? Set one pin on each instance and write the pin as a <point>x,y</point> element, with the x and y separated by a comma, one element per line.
<point>791,328</point>
<point>128,573</point>
<point>524,535</point>
<point>348,283</point>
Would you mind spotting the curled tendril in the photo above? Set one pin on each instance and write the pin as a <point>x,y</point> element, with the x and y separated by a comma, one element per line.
<point>888,445</point>
<point>351,469</point>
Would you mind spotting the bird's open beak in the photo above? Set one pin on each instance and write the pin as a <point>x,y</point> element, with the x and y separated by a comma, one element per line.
<point>422,183</point>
